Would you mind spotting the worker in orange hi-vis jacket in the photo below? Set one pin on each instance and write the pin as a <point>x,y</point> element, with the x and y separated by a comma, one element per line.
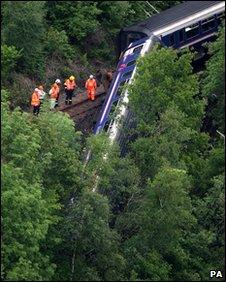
<point>58,82</point>
<point>91,87</point>
<point>54,94</point>
<point>35,101</point>
<point>69,89</point>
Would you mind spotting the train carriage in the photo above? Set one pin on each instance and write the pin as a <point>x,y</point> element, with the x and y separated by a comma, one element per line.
<point>178,26</point>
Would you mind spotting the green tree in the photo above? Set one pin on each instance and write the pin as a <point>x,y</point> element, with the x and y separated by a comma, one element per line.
<point>23,27</point>
<point>60,158</point>
<point>120,184</point>
<point>9,58</point>
<point>113,14</point>
<point>148,267</point>
<point>168,206</point>
<point>170,82</point>
<point>210,213</point>
<point>166,143</point>
<point>26,219</point>
<point>155,250</point>
<point>27,212</point>
<point>141,10</point>
<point>90,248</point>
<point>56,42</point>
<point>203,163</point>
<point>77,18</point>
<point>60,152</point>
<point>208,234</point>
<point>213,84</point>
<point>42,170</point>
<point>164,5</point>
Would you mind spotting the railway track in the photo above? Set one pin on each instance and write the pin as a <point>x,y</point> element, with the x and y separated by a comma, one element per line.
<point>83,106</point>
<point>83,111</point>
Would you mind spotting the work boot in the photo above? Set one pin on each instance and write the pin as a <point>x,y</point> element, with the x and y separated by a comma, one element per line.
<point>70,102</point>
<point>66,102</point>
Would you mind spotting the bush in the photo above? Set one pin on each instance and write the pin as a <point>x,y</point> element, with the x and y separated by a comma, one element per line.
<point>77,18</point>
<point>9,57</point>
<point>23,27</point>
<point>20,91</point>
<point>57,42</point>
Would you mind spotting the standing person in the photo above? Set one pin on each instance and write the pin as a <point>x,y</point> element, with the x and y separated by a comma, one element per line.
<point>91,87</point>
<point>58,82</point>
<point>35,101</point>
<point>106,80</point>
<point>98,77</point>
<point>42,94</point>
<point>54,94</point>
<point>69,89</point>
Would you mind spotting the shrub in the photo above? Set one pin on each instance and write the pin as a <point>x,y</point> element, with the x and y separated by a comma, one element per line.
<point>9,57</point>
<point>57,42</point>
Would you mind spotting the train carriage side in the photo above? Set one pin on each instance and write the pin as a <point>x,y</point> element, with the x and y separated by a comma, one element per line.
<point>194,30</point>
<point>122,75</point>
<point>115,129</point>
<point>180,26</point>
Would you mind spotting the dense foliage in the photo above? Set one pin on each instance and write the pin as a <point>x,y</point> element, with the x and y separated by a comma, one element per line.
<point>156,214</point>
<point>214,82</point>
<point>23,23</point>
<point>169,118</point>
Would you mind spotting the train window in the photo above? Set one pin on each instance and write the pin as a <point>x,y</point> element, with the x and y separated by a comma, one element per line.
<point>181,35</point>
<point>137,49</point>
<point>119,92</point>
<point>128,73</point>
<point>171,39</point>
<point>114,104</point>
<point>208,24</point>
<point>131,63</point>
<point>106,126</point>
<point>192,30</point>
<point>113,108</point>
<point>220,16</point>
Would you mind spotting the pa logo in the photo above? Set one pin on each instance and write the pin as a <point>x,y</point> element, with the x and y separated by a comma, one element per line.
<point>216,274</point>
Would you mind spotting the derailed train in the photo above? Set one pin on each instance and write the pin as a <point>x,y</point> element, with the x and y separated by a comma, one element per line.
<point>188,24</point>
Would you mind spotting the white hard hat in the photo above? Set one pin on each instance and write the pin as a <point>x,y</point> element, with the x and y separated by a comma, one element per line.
<point>37,90</point>
<point>91,76</point>
<point>57,81</point>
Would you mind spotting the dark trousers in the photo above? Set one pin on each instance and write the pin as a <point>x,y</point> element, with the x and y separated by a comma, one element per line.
<point>69,94</point>
<point>36,110</point>
<point>57,100</point>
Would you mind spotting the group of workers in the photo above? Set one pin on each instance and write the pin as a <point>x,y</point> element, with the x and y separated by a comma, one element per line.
<point>69,85</point>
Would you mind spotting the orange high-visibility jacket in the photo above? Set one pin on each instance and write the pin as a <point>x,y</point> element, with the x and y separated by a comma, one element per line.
<point>35,99</point>
<point>70,85</point>
<point>91,84</point>
<point>55,90</point>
